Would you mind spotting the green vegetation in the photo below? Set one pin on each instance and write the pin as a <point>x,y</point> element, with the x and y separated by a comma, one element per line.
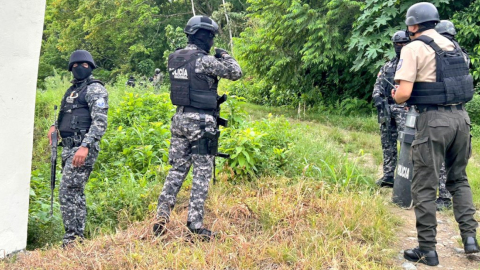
<point>298,189</point>
<point>319,54</point>
<point>327,53</point>
<point>124,37</point>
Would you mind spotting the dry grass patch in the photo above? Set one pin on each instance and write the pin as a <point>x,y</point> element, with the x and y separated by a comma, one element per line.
<point>269,224</point>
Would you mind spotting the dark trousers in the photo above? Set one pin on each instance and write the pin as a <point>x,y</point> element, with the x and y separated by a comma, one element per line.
<point>441,135</point>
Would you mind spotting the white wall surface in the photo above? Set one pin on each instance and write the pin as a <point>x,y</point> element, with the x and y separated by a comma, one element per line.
<point>20,41</point>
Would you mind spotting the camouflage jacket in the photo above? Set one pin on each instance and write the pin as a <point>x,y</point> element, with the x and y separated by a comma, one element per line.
<point>97,99</point>
<point>224,67</point>
<point>382,89</point>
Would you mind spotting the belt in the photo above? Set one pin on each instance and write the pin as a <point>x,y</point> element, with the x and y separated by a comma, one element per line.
<point>459,107</point>
<point>186,109</point>
<point>73,141</point>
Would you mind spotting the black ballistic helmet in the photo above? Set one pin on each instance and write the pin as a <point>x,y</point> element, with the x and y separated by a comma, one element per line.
<point>446,27</point>
<point>200,22</point>
<point>420,13</point>
<point>81,56</point>
<point>400,37</point>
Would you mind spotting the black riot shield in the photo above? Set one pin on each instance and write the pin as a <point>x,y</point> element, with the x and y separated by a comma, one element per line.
<point>402,194</point>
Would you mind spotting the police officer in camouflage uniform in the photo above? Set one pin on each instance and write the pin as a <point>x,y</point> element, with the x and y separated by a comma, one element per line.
<point>444,201</point>
<point>82,121</point>
<point>434,76</point>
<point>194,76</point>
<point>447,29</point>
<point>390,127</point>
<point>157,79</point>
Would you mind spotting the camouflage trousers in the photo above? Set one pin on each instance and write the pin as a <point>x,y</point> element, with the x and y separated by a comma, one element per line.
<point>442,188</point>
<point>186,129</point>
<point>389,141</point>
<point>71,192</point>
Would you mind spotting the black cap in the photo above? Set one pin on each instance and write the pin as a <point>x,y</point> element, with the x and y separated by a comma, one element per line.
<point>81,56</point>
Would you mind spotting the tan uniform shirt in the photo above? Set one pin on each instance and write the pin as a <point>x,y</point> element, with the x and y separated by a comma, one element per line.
<point>417,59</point>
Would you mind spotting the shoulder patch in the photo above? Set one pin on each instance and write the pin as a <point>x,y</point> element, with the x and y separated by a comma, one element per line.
<point>101,103</point>
<point>379,73</point>
<point>399,65</point>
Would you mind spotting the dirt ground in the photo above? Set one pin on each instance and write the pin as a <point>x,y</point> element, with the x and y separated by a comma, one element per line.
<point>448,240</point>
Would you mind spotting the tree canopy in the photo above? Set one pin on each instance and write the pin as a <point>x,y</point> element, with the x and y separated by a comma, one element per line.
<point>317,52</point>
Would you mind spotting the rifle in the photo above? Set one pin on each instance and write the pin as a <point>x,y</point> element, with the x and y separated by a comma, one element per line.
<point>220,122</point>
<point>385,113</point>
<point>53,163</point>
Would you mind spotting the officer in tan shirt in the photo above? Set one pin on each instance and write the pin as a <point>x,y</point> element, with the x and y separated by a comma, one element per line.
<point>442,131</point>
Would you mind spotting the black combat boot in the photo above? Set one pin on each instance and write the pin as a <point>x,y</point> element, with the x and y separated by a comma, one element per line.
<point>70,242</point>
<point>470,245</point>
<point>159,229</point>
<point>386,181</point>
<point>443,203</point>
<point>422,256</point>
<point>205,234</point>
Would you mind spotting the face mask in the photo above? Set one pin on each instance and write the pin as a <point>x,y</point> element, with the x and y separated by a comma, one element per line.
<point>203,39</point>
<point>398,49</point>
<point>81,73</point>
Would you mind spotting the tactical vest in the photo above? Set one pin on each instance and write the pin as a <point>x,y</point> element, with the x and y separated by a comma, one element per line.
<point>187,87</point>
<point>389,75</point>
<point>465,53</point>
<point>74,117</point>
<point>453,85</point>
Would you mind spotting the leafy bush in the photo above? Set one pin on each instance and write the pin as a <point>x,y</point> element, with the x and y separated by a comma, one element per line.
<point>255,148</point>
<point>355,106</point>
<point>146,67</point>
<point>473,108</point>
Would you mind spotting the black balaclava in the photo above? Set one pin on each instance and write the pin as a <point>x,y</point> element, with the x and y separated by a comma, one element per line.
<point>203,39</point>
<point>398,49</point>
<point>80,73</point>
<point>451,37</point>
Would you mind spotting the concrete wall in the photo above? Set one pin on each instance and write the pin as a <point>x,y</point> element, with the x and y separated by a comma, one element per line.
<point>20,41</point>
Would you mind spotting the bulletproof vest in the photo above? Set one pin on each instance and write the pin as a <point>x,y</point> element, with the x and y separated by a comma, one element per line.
<point>187,87</point>
<point>389,75</point>
<point>74,117</point>
<point>454,84</point>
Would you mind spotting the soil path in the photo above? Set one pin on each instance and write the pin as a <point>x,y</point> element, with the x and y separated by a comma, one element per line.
<point>449,246</point>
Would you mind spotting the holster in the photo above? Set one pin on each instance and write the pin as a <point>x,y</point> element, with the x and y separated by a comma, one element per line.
<point>207,145</point>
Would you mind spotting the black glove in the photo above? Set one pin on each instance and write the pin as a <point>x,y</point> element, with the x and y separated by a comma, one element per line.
<point>377,101</point>
<point>219,52</point>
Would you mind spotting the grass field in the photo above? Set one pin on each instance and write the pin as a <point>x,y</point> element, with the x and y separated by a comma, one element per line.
<point>324,214</point>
